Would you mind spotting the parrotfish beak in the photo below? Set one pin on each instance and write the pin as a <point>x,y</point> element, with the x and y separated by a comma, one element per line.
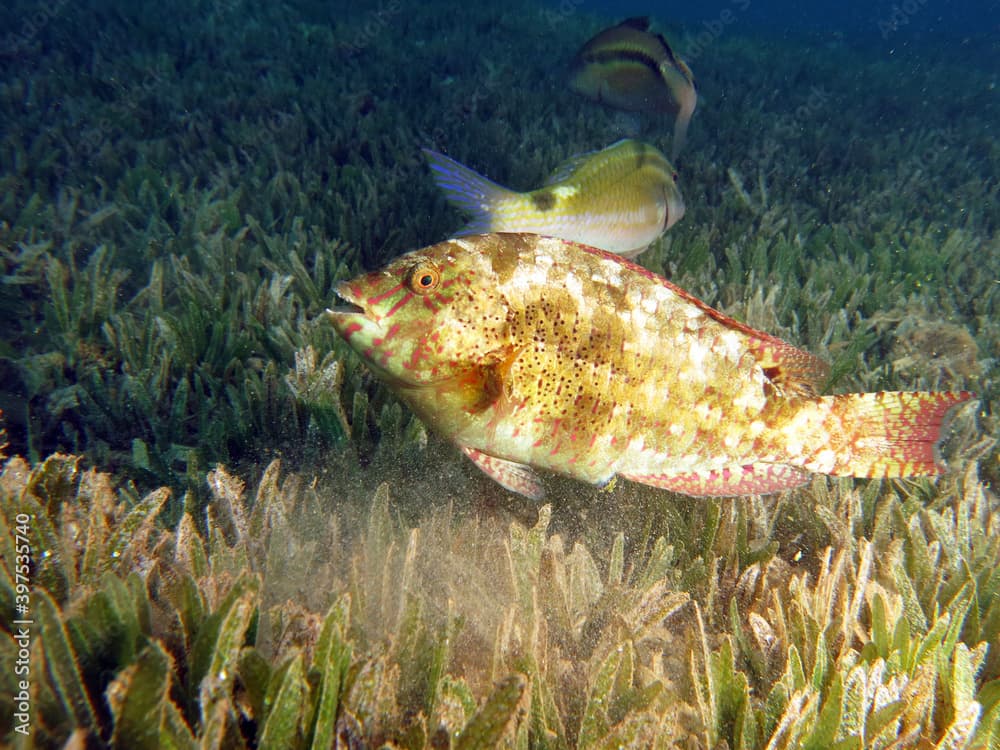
<point>352,321</point>
<point>367,333</point>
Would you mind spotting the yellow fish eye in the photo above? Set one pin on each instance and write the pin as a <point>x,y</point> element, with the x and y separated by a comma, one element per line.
<point>423,278</point>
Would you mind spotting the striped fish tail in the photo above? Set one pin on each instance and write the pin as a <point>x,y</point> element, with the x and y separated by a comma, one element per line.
<point>885,434</point>
<point>468,191</point>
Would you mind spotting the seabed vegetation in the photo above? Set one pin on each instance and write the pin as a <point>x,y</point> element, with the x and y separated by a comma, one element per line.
<point>238,538</point>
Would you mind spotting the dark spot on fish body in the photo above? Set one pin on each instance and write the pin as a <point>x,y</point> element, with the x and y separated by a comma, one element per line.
<point>640,156</point>
<point>771,390</point>
<point>543,200</point>
<point>506,253</point>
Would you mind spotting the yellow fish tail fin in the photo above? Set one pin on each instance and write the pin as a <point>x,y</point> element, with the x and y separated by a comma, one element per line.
<point>469,191</point>
<point>885,434</point>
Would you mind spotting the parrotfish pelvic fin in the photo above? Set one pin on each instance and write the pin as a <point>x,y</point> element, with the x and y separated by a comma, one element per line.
<point>509,474</point>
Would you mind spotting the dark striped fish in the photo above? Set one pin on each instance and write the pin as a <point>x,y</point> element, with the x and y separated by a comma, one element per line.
<point>630,68</point>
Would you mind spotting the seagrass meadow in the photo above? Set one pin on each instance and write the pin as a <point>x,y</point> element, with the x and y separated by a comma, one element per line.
<point>239,538</point>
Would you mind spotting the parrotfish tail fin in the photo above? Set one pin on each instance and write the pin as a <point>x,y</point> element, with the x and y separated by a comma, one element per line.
<point>886,434</point>
<point>468,190</point>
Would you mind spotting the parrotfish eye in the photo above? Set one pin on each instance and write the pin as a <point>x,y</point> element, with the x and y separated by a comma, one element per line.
<point>424,278</point>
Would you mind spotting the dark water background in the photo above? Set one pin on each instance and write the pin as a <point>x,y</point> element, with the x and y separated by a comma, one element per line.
<point>896,22</point>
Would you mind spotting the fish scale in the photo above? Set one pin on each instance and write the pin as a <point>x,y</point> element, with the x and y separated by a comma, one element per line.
<point>532,352</point>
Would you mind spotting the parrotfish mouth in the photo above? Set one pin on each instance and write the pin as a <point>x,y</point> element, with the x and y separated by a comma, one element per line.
<point>348,309</point>
<point>351,317</point>
<point>364,332</point>
<point>349,295</point>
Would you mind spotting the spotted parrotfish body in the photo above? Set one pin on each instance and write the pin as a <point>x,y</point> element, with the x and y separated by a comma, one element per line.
<point>532,352</point>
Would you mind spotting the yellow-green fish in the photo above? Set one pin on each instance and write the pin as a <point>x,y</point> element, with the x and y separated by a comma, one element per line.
<point>532,352</point>
<point>619,199</point>
<point>630,68</point>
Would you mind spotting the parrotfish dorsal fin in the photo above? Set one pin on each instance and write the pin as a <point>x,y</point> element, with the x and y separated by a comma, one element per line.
<point>641,23</point>
<point>575,163</point>
<point>673,59</point>
<point>566,170</point>
<point>791,370</point>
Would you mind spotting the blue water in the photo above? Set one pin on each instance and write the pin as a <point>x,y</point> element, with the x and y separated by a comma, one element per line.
<point>892,21</point>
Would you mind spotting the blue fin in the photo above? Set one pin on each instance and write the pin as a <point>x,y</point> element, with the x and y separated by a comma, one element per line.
<point>467,190</point>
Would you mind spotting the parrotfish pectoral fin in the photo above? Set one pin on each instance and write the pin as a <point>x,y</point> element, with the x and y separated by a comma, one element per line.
<point>885,434</point>
<point>509,474</point>
<point>468,190</point>
<point>755,479</point>
<point>791,370</point>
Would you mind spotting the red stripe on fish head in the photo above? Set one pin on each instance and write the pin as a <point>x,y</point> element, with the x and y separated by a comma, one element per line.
<point>422,314</point>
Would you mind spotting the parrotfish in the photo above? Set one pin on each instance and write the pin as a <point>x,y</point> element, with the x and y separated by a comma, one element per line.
<point>630,68</point>
<point>620,198</point>
<point>532,352</point>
